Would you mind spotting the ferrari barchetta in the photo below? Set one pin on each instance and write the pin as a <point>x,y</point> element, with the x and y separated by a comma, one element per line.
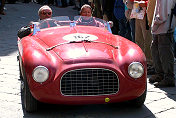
<point>79,61</point>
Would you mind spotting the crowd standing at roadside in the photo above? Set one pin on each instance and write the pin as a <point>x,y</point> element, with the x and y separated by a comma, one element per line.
<point>148,23</point>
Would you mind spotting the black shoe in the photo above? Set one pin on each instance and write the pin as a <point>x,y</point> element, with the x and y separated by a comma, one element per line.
<point>165,83</point>
<point>155,78</point>
<point>151,71</point>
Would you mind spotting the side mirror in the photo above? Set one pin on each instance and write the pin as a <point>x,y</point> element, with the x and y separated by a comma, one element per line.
<point>24,31</point>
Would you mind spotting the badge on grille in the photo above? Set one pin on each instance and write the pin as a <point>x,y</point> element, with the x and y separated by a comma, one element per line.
<point>107,99</point>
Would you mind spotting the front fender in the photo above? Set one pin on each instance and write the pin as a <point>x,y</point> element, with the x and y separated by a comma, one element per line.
<point>33,54</point>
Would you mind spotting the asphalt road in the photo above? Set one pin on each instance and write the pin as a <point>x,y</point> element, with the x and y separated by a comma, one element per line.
<point>160,103</point>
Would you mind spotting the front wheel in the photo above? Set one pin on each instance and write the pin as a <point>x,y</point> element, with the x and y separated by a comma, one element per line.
<point>139,101</point>
<point>29,102</point>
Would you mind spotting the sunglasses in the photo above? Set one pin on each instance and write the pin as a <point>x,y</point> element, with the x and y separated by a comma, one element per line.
<point>44,13</point>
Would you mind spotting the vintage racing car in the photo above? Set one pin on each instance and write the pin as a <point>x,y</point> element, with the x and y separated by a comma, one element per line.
<point>79,61</point>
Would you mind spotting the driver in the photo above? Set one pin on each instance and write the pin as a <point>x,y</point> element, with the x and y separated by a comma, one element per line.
<point>44,12</point>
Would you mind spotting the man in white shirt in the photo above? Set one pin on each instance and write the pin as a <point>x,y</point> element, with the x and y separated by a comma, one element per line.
<point>162,44</point>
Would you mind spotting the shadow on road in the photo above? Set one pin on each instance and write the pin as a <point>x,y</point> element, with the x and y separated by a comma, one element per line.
<point>8,47</point>
<point>170,92</point>
<point>122,110</point>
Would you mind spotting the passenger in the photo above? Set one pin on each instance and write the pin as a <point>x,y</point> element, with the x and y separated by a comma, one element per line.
<point>44,12</point>
<point>2,4</point>
<point>87,19</point>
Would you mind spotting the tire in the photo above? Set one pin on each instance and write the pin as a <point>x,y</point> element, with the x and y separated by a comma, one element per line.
<point>139,101</point>
<point>30,104</point>
<point>20,73</point>
<point>20,66</point>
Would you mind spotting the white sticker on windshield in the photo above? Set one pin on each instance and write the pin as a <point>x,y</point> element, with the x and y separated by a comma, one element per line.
<point>80,37</point>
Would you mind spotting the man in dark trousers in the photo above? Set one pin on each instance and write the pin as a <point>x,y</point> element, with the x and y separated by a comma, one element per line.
<point>108,14</point>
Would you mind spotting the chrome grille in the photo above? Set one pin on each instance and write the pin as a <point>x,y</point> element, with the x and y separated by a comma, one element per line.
<point>89,82</point>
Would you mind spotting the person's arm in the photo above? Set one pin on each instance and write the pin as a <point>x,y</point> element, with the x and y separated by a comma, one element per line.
<point>129,4</point>
<point>161,13</point>
<point>150,11</point>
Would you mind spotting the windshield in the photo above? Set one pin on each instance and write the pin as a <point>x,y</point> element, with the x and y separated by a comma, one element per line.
<point>77,21</point>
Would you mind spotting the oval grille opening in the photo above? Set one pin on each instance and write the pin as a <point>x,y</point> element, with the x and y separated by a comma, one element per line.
<point>87,82</point>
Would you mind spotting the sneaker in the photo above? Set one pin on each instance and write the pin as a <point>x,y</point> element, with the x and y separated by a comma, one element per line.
<point>151,71</point>
<point>165,83</point>
<point>155,78</point>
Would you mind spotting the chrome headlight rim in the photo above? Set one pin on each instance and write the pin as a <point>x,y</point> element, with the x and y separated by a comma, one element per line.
<point>44,69</point>
<point>138,64</point>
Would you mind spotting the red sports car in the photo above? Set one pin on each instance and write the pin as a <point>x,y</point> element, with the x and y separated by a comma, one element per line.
<point>79,61</point>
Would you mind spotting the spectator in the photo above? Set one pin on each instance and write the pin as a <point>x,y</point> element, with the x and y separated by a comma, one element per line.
<point>150,11</point>
<point>46,2</point>
<point>82,2</point>
<point>143,36</point>
<point>58,3</point>
<point>175,45</point>
<point>40,1</point>
<point>131,21</point>
<point>108,14</point>
<point>64,3</point>
<point>162,44</point>
<point>97,8</point>
<point>71,2</point>
<point>119,13</point>
<point>76,5</point>
<point>107,10</point>
<point>2,4</point>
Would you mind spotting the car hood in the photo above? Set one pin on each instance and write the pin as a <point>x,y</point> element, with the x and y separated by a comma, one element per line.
<point>68,44</point>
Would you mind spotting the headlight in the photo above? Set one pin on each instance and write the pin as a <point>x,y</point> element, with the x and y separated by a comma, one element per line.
<point>135,70</point>
<point>40,74</point>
